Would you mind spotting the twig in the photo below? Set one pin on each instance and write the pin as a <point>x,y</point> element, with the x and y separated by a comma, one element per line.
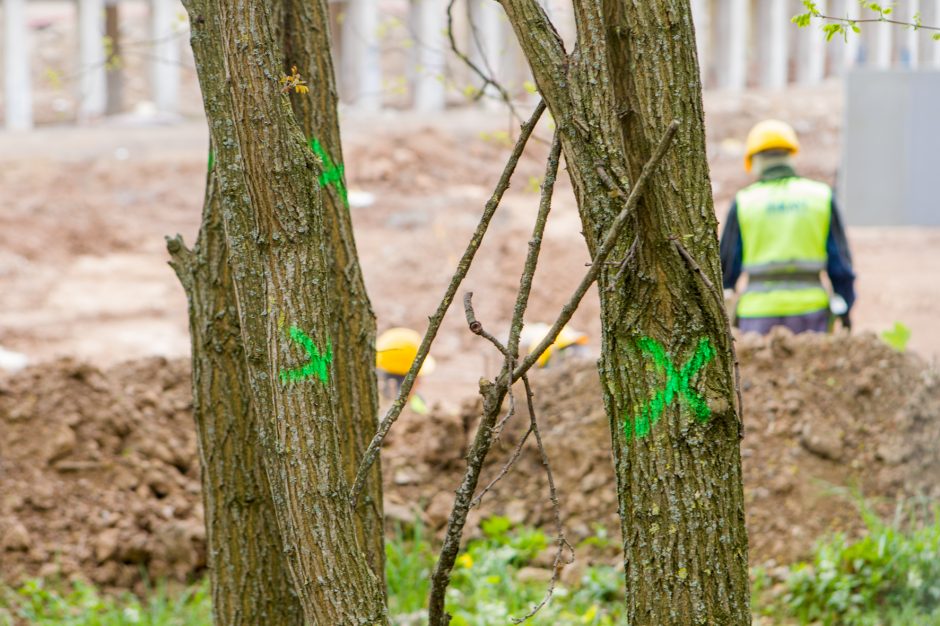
<point>535,245</point>
<point>528,269</point>
<point>477,328</point>
<point>872,20</point>
<point>601,254</point>
<point>493,394</point>
<point>623,264</point>
<point>505,469</point>
<point>435,320</point>
<point>720,302</point>
<point>608,180</point>
<point>487,79</point>
<point>556,508</point>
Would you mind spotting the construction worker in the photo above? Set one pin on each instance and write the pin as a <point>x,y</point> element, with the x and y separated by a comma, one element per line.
<point>569,343</point>
<point>395,351</point>
<point>783,231</point>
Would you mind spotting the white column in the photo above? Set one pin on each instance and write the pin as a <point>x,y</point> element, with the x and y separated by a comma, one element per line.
<point>850,56</point>
<point>93,82</point>
<point>883,44</point>
<point>486,43</point>
<point>700,17</point>
<point>812,62</point>
<point>732,38</point>
<point>362,62</point>
<point>775,26</point>
<point>18,90</point>
<point>165,64</point>
<point>912,41</point>
<point>429,91</point>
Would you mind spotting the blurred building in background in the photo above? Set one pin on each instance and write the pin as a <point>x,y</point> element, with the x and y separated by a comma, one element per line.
<point>80,60</point>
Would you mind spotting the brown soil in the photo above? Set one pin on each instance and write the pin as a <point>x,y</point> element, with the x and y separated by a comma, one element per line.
<point>100,474</point>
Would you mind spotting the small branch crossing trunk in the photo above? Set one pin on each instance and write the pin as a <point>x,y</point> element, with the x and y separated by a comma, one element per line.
<point>667,365</point>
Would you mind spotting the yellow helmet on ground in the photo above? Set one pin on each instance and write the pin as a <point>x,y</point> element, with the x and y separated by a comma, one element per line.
<point>532,335</point>
<point>396,349</point>
<point>770,135</point>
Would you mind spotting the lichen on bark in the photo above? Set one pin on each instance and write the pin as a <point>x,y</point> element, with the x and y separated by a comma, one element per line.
<point>632,72</point>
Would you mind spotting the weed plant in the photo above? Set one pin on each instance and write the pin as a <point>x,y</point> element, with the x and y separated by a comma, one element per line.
<point>890,577</point>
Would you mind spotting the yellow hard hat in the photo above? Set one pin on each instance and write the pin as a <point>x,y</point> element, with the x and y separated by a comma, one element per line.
<point>396,349</point>
<point>770,135</point>
<point>532,335</point>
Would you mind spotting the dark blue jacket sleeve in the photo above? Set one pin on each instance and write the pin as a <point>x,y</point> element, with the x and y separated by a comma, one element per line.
<point>839,261</point>
<point>731,248</point>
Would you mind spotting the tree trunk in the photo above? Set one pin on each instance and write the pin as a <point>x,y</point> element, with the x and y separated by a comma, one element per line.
<point>279,252</point>
<point>305,41</point>
<point>250,583</point>
<point>667,366</point>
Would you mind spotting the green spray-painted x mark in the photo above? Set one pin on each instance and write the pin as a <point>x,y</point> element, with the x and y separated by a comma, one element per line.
<point>332,172</point>
<point>678,383</point>
<point>318,365</point>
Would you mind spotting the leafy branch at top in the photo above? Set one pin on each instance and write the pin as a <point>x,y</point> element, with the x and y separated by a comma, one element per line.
<point>842,25</point>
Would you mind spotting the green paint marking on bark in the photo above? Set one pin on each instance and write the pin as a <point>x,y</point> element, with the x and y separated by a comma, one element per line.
<point>332,172</point>
<point>318,364</point>
<point>678,383</point>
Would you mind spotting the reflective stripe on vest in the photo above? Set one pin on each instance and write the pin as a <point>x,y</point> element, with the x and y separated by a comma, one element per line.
<point>784,228</point>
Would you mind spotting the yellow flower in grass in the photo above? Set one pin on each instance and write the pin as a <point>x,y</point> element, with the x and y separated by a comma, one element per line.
<point>465,560</point>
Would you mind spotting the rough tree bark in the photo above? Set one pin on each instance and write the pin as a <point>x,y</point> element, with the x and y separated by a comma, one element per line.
<point>249,575</point>
<point>250,583</point>
<point>280,256</point>
<point>667,366</point>
<point>303,31</point>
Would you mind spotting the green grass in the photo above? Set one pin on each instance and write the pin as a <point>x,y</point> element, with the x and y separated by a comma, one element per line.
<point>484,590</point>
<point>79,604</point>
<point>891,577</point>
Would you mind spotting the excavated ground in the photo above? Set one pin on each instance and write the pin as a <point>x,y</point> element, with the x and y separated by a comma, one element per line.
<point>100,475</point>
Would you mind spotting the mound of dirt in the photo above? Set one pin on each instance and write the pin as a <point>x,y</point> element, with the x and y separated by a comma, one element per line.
<point>99,475</point>
<point>822,414</point>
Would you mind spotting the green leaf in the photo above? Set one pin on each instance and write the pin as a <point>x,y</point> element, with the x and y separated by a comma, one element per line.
<point>832,30</point>
<point>897,337</point>
<point>936,37</point>
<point>802,20</point>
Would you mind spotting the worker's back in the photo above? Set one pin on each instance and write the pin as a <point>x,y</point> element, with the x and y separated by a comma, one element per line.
<point>784,227</point>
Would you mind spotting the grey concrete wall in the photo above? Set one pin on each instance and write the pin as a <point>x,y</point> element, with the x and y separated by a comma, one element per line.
<point>891,148</point>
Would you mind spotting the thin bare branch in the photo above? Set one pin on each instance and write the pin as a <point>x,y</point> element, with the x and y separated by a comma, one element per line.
<point>873,20</point>
<point>535,246</point>
<point>720,302</point>
<point>556,507</point>
<point>623,264</point>
<point>505,469</point>
<point>493,394</point>
<point>487,78</point>
<point>601,254</point>
<point>435,320</point>
<point>477,328</point>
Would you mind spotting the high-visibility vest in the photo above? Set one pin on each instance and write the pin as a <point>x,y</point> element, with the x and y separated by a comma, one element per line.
<point>784,227</point>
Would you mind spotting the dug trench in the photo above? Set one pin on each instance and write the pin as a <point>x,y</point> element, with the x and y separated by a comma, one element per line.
<point>99,475</point>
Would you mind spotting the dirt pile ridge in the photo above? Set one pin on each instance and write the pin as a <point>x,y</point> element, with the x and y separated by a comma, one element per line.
<point>99,477</point>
